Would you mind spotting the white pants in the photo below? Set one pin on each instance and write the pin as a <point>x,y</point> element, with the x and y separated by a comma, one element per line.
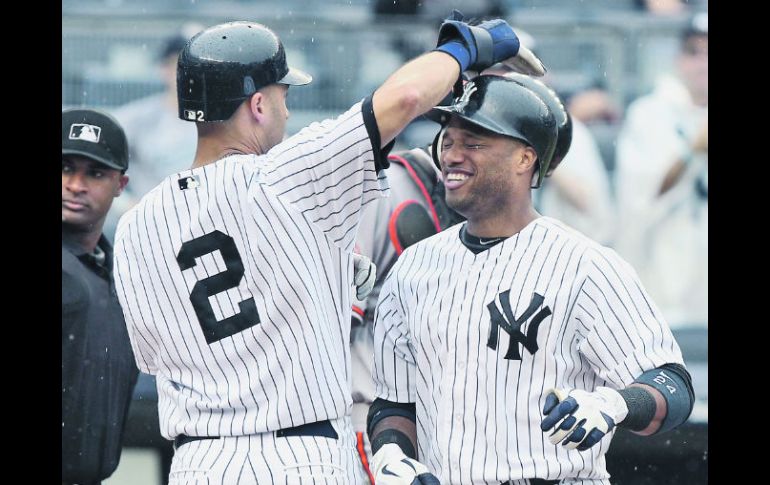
<point>265,459</point>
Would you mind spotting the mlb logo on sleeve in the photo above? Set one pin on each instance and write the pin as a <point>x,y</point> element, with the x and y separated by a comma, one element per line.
<point>191,182</point>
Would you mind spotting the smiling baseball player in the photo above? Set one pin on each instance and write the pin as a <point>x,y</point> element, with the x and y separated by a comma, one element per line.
<point>508,348</point>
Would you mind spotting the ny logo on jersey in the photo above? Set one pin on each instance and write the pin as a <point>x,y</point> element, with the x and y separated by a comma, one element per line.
<point>512,325</point>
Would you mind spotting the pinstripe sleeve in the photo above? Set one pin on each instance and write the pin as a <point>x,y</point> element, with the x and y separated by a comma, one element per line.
<point>140,343</point>
<point>627,333</point>
<point>394,362</point>
<point>327,171</point>
<point>373,241</point>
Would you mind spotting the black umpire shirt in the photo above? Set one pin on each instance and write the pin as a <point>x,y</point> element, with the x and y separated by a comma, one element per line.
<point>98,371</point>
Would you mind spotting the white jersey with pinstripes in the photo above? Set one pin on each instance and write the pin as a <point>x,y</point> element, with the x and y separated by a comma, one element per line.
<point>441,341</point>
<point>235,280</point>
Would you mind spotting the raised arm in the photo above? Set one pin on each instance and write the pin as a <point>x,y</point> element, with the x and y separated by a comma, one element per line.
<point>421,83</point>
<point>411,91</point>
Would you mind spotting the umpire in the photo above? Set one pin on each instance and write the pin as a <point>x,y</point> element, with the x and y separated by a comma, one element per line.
<point>98,372</point>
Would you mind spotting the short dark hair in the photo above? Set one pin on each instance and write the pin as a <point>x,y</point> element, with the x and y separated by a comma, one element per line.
<point>171,46</point>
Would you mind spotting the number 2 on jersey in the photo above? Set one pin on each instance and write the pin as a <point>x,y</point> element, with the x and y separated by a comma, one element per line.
<point>213,329</point>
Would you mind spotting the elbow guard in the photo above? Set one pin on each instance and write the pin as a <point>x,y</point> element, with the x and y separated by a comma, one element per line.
<point>674,383</point>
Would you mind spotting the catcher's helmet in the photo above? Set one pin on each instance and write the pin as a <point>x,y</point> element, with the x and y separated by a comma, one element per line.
<point>226,64</point>
<point>504,107</point>
<point>563,118</point>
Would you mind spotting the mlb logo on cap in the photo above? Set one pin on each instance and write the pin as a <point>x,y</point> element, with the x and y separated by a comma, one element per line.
<point>82,131</point>
<point>96,135</point>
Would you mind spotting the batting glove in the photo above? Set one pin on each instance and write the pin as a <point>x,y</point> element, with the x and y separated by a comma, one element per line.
<point>478,47</point>
<point>364,274</point>
<point>580,419</point>
<point>392,467</point>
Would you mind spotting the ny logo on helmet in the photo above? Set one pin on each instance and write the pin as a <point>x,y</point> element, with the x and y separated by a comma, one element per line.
<point>462,101</point>
<point>512,325</point>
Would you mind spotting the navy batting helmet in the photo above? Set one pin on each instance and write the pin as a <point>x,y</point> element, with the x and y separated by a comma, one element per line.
<point>223,65</point>
<point>563,119</point>
<point>504,107</point>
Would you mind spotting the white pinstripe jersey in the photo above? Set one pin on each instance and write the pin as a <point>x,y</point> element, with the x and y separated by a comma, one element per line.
<point>582,320</point>
<point>235,280</point>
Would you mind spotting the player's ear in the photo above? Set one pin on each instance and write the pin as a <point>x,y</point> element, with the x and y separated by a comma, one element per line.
<point>257,106</point>
<point>122,182</point>
<point>525,158</point>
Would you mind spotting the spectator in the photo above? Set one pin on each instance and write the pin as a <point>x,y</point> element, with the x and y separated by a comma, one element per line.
<point>662,184</point>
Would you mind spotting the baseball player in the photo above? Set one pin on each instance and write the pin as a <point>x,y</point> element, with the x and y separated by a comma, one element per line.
<point>234,275</point>
<point>508,348</point>
<point>415,209</point>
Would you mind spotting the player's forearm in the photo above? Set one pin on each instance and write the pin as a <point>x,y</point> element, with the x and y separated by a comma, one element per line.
<point>411,91</point>
<point>659,400</point>
<point>660,411</point>
<point>394,429</point>
<point>394,447</point>
<point>393,422</point>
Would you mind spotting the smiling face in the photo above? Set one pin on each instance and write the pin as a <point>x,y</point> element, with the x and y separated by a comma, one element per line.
<point>87,190</point>
<point>482,171</point>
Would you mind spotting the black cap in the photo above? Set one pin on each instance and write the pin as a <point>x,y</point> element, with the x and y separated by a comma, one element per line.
<point>94,135</point>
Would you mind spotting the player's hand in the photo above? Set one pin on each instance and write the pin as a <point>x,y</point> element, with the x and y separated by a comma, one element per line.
<point>364,274</point>
<point>391,466</point>
<point>580,419</point>
<point>477,47</point>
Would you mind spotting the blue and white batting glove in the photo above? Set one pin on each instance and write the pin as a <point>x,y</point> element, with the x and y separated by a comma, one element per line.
<point>364,275</point>
<point>391,466</point>
<point>580,419</point>
<point>477,47</point>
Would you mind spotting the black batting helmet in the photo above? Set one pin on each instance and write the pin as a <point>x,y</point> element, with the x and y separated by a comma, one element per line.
<point>563,118</point>
<point>226,64</point>
<point>504,107</point>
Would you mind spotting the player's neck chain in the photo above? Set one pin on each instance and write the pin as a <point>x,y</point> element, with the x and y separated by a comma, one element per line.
<point>478,244</point>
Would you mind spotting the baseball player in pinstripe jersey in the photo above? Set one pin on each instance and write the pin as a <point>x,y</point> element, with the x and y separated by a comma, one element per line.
<point>509,347</point>
<point>234,275</point>
<point>414,210</point>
